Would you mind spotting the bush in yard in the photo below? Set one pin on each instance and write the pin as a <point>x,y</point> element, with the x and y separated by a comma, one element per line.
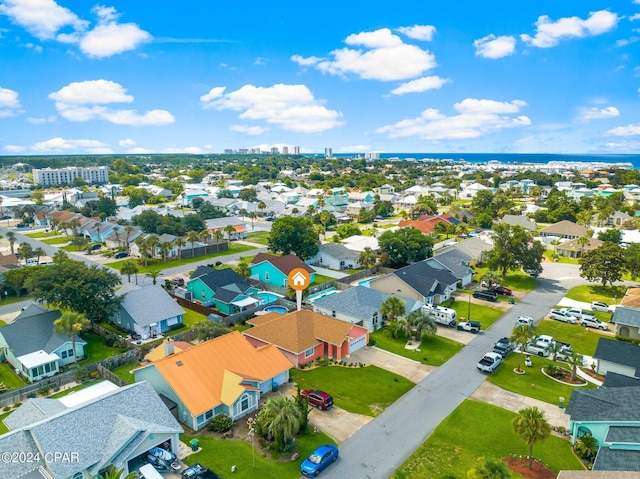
<point>220,423</point>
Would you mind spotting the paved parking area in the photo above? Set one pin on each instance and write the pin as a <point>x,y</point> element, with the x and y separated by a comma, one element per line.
<point>408,368</point>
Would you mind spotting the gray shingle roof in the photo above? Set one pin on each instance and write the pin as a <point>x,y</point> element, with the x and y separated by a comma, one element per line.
<point>456,260</point>
<point>605,404</point>
<point>32,411</point>
<point>617,460</point>
<point>225,283</point>
<point>425,279</point>
<point>33,330</point>
<point>150,305</point>
<point>626,316</point>
<point>360,302</point>
<point>629,434</point>
<point>618,352</point>
<point>96,430</point>
<point>615,380</point>
<point>338,251</point>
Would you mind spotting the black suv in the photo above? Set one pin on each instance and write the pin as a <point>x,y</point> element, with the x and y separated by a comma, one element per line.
<point>486,295</point>
<point>197,471</point>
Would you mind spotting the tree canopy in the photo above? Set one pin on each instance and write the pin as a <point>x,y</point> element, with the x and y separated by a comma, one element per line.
<point>293,235</point>
<point>513,248</point>
<point>404,246</point>
<point>605,264</point>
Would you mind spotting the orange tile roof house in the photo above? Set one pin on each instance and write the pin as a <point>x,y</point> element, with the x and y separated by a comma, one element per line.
<point>224,375</point>
<point>304,335</point>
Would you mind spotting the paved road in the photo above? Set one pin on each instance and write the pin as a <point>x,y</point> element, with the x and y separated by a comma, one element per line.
<point>382,445</point>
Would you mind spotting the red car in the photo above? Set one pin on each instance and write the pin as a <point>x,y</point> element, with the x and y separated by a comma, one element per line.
<point>502,290</point>
<point>317,398</point>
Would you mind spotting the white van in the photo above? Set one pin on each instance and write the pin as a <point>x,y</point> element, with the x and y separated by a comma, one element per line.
<point>149,472</point>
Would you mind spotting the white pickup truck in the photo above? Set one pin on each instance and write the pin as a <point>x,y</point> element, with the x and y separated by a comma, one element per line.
<point>489,362</point>
<point>537,348</point>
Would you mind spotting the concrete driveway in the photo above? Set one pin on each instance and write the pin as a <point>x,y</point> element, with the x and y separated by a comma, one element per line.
<point>337,423</point>
<point>408,368</point>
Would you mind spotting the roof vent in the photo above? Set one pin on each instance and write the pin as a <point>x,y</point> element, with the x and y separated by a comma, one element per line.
<point>179,363</point>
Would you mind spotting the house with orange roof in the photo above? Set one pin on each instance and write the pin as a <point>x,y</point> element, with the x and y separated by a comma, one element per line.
<point>168,346</point>
<point>271,269</point>
<point>223,375</point>
<point>304,336</point>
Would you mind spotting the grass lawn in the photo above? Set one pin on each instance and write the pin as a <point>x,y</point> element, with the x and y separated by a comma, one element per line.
<point>10,379</point>
<point>546,388</point>
<point>595,292</point>
<point>124,372</point>
<point>57,240</point>
<point>110,327</point>
<point>71,248</point>
<point>96,349</point>
<point>2,323</point>
<point>486,315</point>
<point>42,234</point>
<point>561,259</point>
<point>260,237</point>
<point>515,280</point>
<point>12,298</point>
<point>582,340</point>
<point>368,390</point>
<point>434,350</point>
<point>233,248</point>
<point>3,428</point>
<point>473,431</point>
<point>220,454</point>
<point>320,279</point>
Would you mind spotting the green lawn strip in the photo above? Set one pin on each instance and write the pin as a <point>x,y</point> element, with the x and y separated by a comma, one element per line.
<point>486,315</point>
<point>3,428</point>
<point>595,292</point>
<point>260,237</point>
<point>71,249</point>
<point>367,390</point>
<point>320,279</point>
<point>57,240</point>
<point>42,234</point>
<point>110,327</point>
<point>2,323</point>
<point>233,249</point>
<point>220,454</point>
<point>74,389</point>
<point>582,340</point>
<point>96,349</point>
<point>546,389</point>
<point>515,280</point>
<point>561,259</point>
<point>124,372</point>
<point>12,298</point>
<point>434,350</point>
<point>10,379</point>
<point>473,431</point>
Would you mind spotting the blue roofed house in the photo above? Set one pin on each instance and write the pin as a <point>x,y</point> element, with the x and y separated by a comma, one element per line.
<point>97,428</point>
<point>222,289</point>
<point>618,357</point>
<point>274,270</point>
<point>360,306</point>
<point>147,311</point>
<point>31,345</point>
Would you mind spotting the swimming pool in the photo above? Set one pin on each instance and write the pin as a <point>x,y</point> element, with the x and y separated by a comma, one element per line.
<point>276,309</point>
<point>268,297</point>
<point>366,283</point>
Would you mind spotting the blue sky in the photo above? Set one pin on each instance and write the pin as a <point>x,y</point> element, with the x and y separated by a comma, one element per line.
<point>200,76</point>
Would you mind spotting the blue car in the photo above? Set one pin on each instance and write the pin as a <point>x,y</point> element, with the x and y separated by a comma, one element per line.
<point>318,460</point>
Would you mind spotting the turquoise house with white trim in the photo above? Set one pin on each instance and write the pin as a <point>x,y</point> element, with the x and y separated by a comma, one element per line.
<point>274,270</point>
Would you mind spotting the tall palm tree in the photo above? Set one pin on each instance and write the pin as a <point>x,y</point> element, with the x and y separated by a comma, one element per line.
<point>128,230</point>
<point>74,224</point>
<point>154,276</point>
<point>531,425</point>
<point>129,267</point>
<point>229,229</point>
<point>180,242</point>
<point>392,308</point>
<point>261,206</point>
<point>64,226</point>
<point>26,251</point>
<point>282,419</point>
<point>218,235</point>
<point>164,249</point>
<point>143,248</point>
<point>71,323</point>
<point>367,258</point>
<point>39,252</point>
<point>252,215</point>
<point>574,360</point>
<point>11,236</point>
<point>422,322</point>
<point>152,243</point>
<point>193,237</point>
<point>243,269</point>
<point>520,336</point>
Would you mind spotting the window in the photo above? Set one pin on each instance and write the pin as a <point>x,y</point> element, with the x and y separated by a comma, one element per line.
<point>308,353</point>
<point>64,355</point>
<point>244,402</point>
<point>200,419</point>
<point>78,475</point>
<point>333,314</point>
<point>47,368</point>
<point>375,318</point>
<point>70,353</point>
<point>34,372</point>
<point>208,414</point>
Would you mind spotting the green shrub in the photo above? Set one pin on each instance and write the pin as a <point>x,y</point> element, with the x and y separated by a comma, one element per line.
<point>44,391</point>
<point>628,340</point>
<point>220,423</point>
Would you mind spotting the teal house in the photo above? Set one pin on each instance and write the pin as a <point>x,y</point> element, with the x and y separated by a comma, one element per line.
<point>275,270</point>
<point>222,289</point>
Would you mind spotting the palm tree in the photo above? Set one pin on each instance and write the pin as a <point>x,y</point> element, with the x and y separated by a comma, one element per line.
<point>143,248</point>
<point>587,447</point>
<point>180,242</point>
<point>261,206</point>
<point>490,278</point>
<point>531,425</point>
<point>11,236</point>
<point>164,249</point>
<point>154,275</point>
<point>367,258</point>
<point>520,336</point>
<point>392,308</point>
<point>423,322</point>
<point>114,473</point>
<point>74,224</point>
<point>71,323</point>
<point>582,242</point>
<point>218,235</point>
<point>252,215</point>
<point>152,243</point>
<point>574,359</point>
<point>229,229</point>
<point>128,230</point>
<point>281,419</point>
<point>25,251</point>
<point>129,267</point>
<point>243,269</point>
<point>38,252</point>
<point>193,237</point>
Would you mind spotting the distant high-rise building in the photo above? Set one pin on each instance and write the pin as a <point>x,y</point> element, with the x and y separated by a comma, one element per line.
<point>285,150</point>
<point>296,150</point>
<point>274,150</point>
<point>372,156</point>
<point>65,176</point>
<point>328,153</point>
<point>243,151</point>
<point>228,151</point>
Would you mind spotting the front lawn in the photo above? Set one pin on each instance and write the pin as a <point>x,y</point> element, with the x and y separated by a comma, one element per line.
<point>473,431</point>
<point>546,389</point>
<point>367,390</point>
<point>10,379</point>
<point>260,237</point>
<point>42,234</point>
<point>96,350</point>
<point>595,292</point>
<point>434,350</point>
<point>124,372</point>
<point>561,259</point>
<point>515,280</point>
<point>582,340</point>
<point>220,454</point>
<point>486,315</point>
<point>56,240</point>
<point>233,249</point>
<point>320,279</point>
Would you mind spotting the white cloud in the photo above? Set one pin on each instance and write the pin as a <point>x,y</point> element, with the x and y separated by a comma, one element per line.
<point>549,33</point>
<point>42,121</point>
<point>127,142</point>
<point>587,114</point>
<point>59,144</point>
<point>291,107</point>
<point>249,130</point>
<point>41,18</point>
<point>495,47</point>
<point>418,32</point>
<point>420,85</point>
<point>109,37</point>
<point>9,103</point>
<point>635,16</point>
<point>629,130</point>
<point>476,118</point>
<point>14,148</point>
<point>354,148</point>
<point>139,151</point>
<point>191,150</point>
<point>83,101</point>
<point>385,57</point>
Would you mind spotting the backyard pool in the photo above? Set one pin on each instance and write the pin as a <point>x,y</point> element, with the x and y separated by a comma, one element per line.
<point>268,297</point>
<point>365,282</point>
<point>276,309</point>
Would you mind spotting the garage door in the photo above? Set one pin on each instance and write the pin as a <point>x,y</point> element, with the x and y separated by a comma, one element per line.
<point>357,344</point>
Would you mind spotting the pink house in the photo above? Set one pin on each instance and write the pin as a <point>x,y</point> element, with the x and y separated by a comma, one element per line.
<point>304,335</point>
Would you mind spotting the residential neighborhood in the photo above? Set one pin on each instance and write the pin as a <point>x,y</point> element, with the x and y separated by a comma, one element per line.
<point>177,291</point>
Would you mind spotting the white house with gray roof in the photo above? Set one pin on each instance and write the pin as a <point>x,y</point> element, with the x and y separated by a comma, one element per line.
<point>148,311</point>
<point>335,256</point>
<point>31,345</point>
<point>360,306</point>
<point>116,428</point>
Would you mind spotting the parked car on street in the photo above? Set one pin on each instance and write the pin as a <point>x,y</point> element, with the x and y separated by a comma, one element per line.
<point>317,398</point>
<point>594,323</point>
<point>524,320</point>
<point>503,347</point>
<point>318,460</point>
<point>560,315</point>
<point>486,295</point>
<point>489,362</point>
<point>602,307</point>
<point>471,326</point>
